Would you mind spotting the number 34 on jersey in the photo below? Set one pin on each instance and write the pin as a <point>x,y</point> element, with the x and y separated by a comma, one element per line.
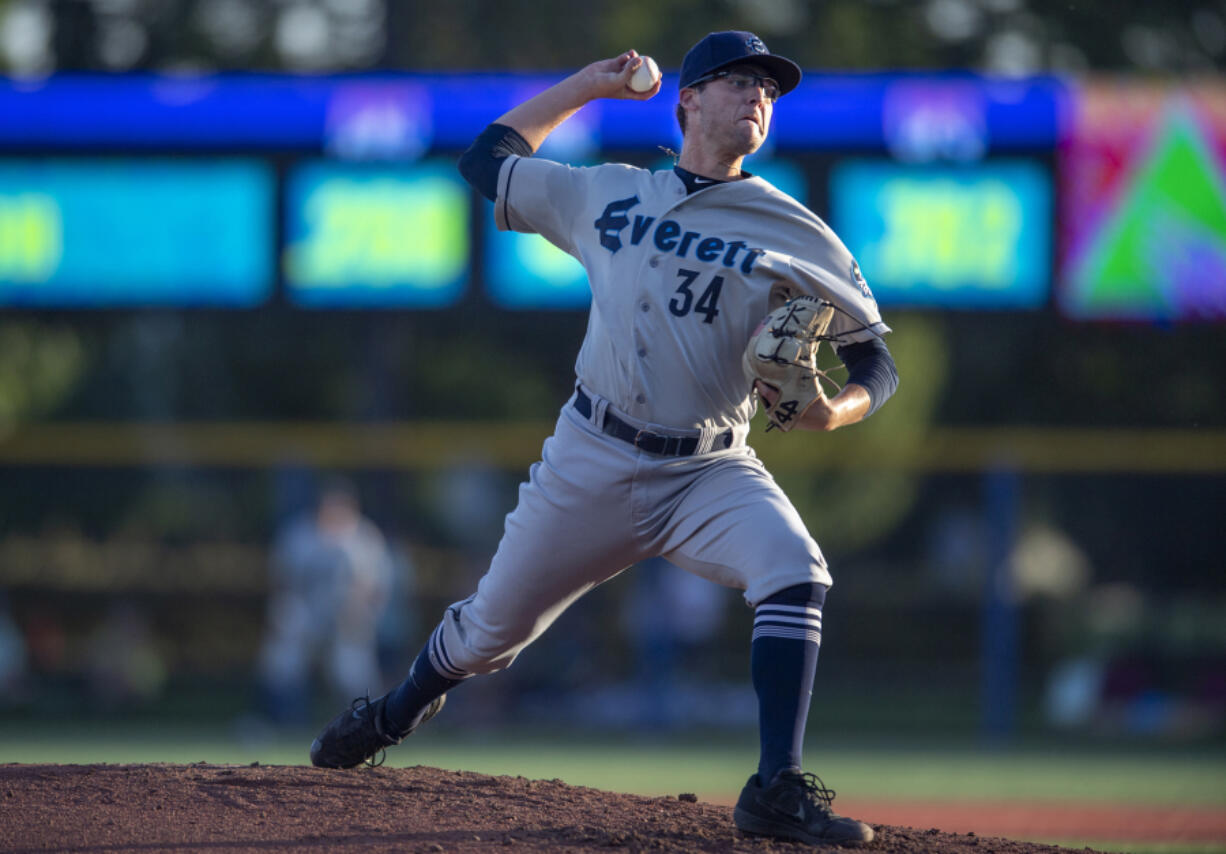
<point>695,292</point>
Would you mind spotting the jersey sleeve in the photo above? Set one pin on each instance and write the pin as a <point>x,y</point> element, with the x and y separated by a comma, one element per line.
<point>540,196</point>
<point>835,276</point>
<point>482,161</point>
<point>805,256</point>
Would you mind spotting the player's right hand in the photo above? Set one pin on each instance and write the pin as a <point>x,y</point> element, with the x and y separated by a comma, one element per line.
<point>610,78</point>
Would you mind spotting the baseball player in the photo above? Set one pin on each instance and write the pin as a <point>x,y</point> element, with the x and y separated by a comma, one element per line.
<point>331,576</point>
<point>649,455</point>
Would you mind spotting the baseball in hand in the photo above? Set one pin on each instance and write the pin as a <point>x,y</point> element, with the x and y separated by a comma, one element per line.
<point>645,76</point>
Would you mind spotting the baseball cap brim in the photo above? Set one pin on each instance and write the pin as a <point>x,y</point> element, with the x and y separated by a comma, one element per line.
<point>718,51</point>
<point>786,73</point>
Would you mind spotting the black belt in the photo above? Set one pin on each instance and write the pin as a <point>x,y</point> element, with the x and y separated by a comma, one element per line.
<point>644,440</point>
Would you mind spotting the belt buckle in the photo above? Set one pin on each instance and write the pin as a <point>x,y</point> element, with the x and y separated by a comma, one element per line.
<point>636,437</point>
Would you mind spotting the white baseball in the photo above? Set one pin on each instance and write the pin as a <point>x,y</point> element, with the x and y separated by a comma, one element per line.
<point>645,76</point>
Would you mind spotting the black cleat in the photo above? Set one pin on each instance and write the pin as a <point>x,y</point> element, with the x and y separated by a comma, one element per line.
<point>357,734</point>
<point>795,806</point>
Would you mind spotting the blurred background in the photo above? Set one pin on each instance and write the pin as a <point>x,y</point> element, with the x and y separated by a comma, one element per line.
<point>269,378</point>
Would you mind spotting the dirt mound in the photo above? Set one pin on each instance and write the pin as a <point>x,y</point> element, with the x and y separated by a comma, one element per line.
<point>256,808</point>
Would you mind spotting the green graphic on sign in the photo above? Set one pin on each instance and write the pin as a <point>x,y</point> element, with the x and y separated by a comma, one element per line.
<point>1162,253</point>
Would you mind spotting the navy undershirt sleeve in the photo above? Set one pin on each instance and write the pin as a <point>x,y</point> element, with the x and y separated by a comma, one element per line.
<point>480,163</point>
<point>870,365</point>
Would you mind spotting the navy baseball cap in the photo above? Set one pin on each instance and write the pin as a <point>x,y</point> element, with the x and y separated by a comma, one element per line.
<point>720,50</point>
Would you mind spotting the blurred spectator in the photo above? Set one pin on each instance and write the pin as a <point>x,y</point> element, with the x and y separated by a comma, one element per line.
<point>47,642</point>
<point>670,652</point>
<point>1142,666</point>
<point>124,666</point>
<point>14,660</point>
<point>331,575</point>
<point>957,550</point>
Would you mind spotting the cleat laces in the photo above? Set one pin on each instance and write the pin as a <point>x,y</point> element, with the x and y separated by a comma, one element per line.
<point>363,705</point>
<point>816,792</point>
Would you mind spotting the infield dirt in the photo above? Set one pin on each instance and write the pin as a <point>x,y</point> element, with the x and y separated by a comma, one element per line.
<point>185,808</point>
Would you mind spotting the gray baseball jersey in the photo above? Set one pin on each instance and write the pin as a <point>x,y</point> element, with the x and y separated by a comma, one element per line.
<point>680,281</point>
<point>678,284</point>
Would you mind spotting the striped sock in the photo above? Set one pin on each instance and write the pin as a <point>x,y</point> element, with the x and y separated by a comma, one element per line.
<point>431,676</point>
<point>787,634</point>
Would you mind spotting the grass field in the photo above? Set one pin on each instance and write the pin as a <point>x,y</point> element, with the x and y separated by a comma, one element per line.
<point>712,766</point>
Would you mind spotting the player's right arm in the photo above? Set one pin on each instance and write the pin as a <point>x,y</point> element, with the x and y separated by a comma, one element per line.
<point>537,117</point>
<point>525,127</point>
<point>545,202</point>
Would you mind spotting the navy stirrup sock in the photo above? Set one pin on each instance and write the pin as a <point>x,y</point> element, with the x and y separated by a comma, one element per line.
<point>405,704</point>
<point>787,633</point>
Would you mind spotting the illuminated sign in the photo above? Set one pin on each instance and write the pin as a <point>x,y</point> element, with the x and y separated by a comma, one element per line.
<point>103,233</point>
<point>783,174</point>
<point>393,115</point>
<point>376,236</point>
<point>974,236</point>
<point>1144,219</point>
<point>526,271</point>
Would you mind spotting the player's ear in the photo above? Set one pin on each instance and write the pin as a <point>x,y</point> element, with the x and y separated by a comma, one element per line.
<point>687,103</point>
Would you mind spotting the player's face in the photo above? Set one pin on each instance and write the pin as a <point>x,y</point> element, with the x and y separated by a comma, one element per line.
<point>735,110</point>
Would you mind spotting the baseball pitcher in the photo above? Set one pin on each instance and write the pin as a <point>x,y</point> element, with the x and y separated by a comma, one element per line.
<point>711,291</point>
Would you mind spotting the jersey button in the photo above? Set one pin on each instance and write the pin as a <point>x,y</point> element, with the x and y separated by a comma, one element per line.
<point>642,352</point>
<point>640,398</point>
<point>644,307</point>
<point>654,262</point>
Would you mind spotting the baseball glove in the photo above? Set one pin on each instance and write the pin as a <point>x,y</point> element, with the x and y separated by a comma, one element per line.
<point>782,353</point>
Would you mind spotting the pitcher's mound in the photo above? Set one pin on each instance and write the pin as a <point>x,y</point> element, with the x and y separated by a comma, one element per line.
<point>181,808</point>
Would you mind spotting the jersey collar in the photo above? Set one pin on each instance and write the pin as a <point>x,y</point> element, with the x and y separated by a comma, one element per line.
<point>693,183</point>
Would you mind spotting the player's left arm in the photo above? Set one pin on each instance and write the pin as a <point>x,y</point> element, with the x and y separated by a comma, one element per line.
<point>872,378</point>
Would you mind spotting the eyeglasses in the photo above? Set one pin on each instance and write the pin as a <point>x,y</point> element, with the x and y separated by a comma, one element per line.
<point>743,80</point>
